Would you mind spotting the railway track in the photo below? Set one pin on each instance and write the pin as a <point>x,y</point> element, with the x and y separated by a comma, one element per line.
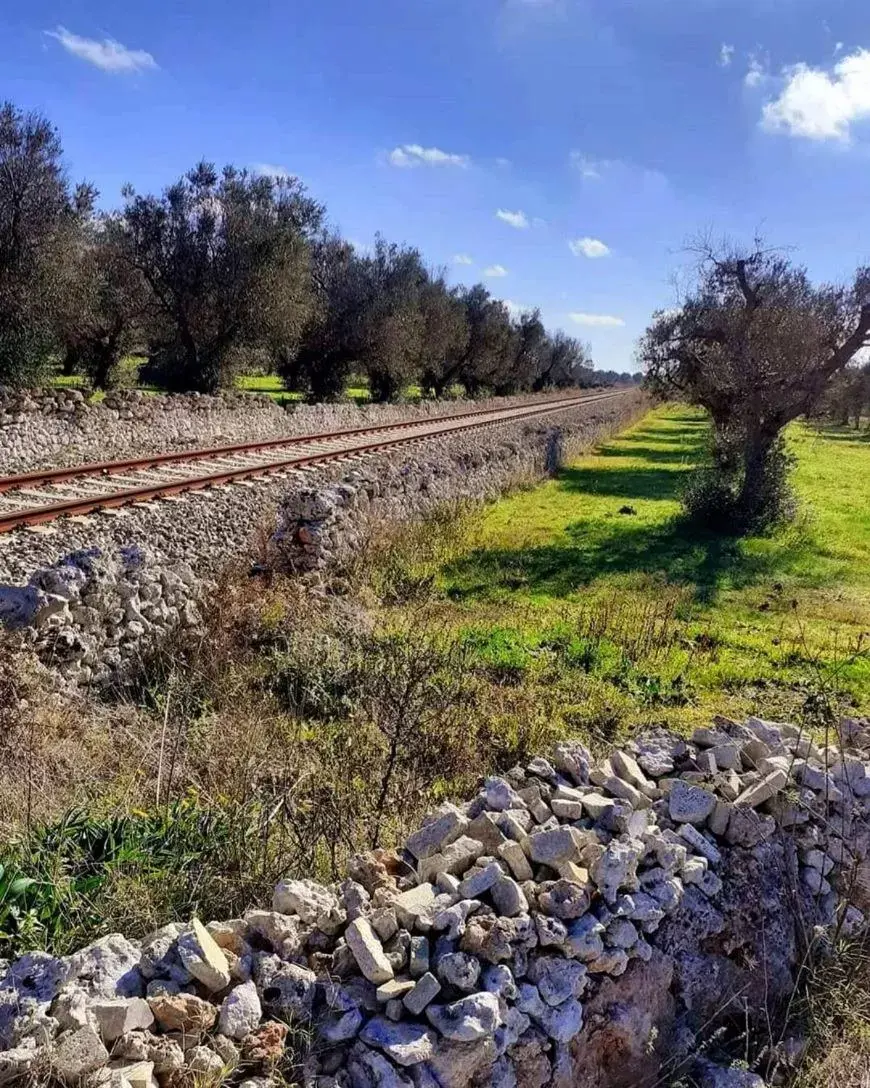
<point>34,498</point>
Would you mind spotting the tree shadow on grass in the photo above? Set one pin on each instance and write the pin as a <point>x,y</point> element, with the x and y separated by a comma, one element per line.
<point>614,544</point>
<point>685,437</point>
<point>615,547</point>
<point>683,447</point>
<point>841,434</point>
<point>629,482</point>
<point>659,454</point>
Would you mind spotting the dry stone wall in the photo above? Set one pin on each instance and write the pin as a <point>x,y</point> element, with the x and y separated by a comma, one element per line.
<point>576,924</point>
<point>40,428</point>
<point>92,599</point>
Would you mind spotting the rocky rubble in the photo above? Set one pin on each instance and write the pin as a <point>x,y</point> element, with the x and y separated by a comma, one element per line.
<point>577,923</point>
<point>96,615</point>
<point>107,590</point>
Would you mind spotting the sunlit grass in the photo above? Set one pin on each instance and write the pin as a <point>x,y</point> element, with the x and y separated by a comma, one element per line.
<point>756,625</point>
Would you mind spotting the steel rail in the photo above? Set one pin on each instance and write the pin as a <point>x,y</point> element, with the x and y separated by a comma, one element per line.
<point>465,421</point>
<point>107,468</point>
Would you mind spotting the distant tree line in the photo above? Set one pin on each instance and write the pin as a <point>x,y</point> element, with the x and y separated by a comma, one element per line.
<point>226,272</point>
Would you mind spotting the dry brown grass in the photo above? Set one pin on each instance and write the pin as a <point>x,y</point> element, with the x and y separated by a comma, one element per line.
<point>836,1021</point>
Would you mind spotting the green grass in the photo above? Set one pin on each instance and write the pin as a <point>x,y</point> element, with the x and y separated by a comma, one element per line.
<point>599,564</point>
<point>273,387</point>
<point>268,384</point>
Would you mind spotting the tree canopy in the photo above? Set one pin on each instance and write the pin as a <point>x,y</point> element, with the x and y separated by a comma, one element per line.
<point>40,215</point>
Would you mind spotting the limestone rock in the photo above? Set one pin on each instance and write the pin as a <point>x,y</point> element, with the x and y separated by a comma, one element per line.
<point>108,967</point>
<point>368,951</point>
<point>762,791</point>
<point>560,844</point>
<point>203,958</point>
<point>314,904</point>
<point>425,990</point>
<point>470,1018</point>
<point>446,826</point>
<point>241,1011</point>
<point>116,1015</point>
<point>690,804</point>
<point>78,1053</point>
<point>405,1043</point>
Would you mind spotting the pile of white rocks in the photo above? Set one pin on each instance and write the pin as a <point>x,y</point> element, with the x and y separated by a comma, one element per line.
<point>577,923</point>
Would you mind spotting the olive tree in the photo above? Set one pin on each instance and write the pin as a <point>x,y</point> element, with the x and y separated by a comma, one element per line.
<point>531,347</point>
<point>445,335</point>
<point>368,317</point>
<point>847,401</point>
<point>491,345</point>
<point>105,305</point>
<point>40,217</point>
<point>391,324</point>
<point>755,342</point>
<point>226,258</point>
<point>566,362</point>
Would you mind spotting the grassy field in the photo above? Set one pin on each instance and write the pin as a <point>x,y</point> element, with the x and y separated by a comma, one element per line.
<point>595,578</point>
<point>270,384</point>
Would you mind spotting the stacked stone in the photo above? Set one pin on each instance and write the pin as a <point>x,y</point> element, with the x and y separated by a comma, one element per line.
<point>543,933</point>
<point>99,613</point>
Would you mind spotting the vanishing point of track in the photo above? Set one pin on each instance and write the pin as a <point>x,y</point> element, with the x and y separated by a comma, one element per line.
<point>32,498</point>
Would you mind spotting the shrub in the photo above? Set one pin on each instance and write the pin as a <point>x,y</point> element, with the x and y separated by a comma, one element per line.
<point>715,496</point>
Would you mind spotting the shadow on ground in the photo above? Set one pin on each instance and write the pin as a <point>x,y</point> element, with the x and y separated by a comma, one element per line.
<point>615,544</point>
<point>844,434</point>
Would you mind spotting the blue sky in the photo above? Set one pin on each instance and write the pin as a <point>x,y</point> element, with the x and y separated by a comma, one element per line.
<point>605,132</point>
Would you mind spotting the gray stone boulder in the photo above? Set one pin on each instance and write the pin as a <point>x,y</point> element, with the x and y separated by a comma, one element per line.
<point>470,1018</point>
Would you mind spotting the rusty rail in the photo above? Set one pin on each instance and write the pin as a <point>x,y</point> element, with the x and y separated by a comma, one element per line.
<point>442,425</point>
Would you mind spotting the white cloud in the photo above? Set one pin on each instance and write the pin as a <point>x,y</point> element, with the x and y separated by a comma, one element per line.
<point>586,167</point>
<point>271,170</point>
<point>515,309</point>
<point>107,54</point>
<point>518,220</point>
<point>839,47</point>
<point>588,247</point>
<point>462,258</point>
<point>821,105</point>
<point>756,72</point>
<point>620,172</point>
<point>726,55</point>
<point>495,271</point>
<point>502,163</point>
<point>414,155</point>
<point>601,321</point>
